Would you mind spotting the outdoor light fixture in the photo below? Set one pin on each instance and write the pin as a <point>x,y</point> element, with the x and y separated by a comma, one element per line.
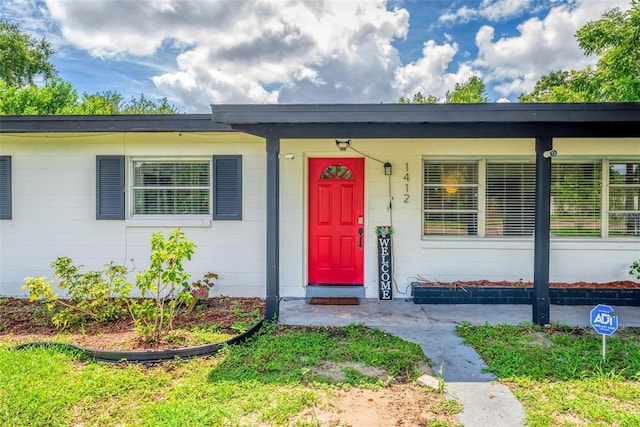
<point>387,168</point>
<point>288,156</point>
<point>343,145</point>
<point>549,153</point>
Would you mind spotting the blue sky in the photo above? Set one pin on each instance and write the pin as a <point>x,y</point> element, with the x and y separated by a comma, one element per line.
<point>198,52</point>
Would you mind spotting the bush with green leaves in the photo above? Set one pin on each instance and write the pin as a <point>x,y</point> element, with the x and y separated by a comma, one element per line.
<point>634,269</point>
<point>164,286</point>
<point>96,295</point>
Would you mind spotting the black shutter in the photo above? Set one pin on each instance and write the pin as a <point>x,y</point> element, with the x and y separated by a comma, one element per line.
<point>5,187</point>
<point>227,187</point>
<point>109,187</point>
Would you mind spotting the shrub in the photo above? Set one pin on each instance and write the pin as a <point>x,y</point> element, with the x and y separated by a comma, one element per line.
<point>96,295</point>
<point>634,269</point>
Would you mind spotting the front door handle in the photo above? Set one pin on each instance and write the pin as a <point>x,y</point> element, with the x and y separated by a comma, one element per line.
<point>360,232</point>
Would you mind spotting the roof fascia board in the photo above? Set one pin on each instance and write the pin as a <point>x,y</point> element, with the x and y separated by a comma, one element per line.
<point>234,114</point>
<point>112,123</point>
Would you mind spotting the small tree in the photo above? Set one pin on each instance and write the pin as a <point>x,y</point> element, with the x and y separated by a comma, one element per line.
<point>164,286</point>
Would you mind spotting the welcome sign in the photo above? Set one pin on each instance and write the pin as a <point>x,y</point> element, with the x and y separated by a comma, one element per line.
<point>385,273</point>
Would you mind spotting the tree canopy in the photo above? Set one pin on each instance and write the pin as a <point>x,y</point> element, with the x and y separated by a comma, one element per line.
<point>615,37</point>
<point>470,92</point>
<point>24,60</point>
<point>22,57</point>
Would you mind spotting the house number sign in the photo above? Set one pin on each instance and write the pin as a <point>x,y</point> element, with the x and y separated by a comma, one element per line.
<point>405,198</point>
<point>385,274</point>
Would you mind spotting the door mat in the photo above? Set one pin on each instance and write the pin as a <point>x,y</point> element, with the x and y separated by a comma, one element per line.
<point>334,301</point>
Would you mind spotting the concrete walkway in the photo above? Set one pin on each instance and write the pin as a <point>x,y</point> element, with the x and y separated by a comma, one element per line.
<point>485,402</point>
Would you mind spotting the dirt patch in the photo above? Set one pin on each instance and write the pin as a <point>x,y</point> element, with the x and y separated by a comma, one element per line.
<point>619,284</point>
<point>395,405</point>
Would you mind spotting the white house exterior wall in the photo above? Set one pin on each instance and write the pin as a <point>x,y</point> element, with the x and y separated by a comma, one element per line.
<point>54,209</point>
<point>54,202</point>
<point>440,258</point>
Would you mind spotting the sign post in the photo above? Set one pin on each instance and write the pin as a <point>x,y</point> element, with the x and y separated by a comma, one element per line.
<point>604,322</point>
<point>385,266</point>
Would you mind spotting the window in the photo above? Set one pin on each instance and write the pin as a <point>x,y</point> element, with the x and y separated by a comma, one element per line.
<point>157,187</point>
<point>337,172</point>
<point>171,187</point>
<point>624,195</point>
<point>5,187</point>
<point>496,198</point>
<point>450,198</point>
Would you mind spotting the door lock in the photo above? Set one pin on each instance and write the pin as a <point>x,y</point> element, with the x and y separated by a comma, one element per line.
<point>360,232</point>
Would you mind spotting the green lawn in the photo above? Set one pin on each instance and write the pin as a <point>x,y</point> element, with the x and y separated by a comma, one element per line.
<point>266,381</point>
<point>559,375</point>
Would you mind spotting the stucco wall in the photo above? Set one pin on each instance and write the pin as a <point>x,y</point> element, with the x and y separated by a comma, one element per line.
<point>54,203</point>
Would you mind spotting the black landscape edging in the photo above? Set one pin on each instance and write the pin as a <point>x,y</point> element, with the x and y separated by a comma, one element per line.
<point>150,356</point>
<point>522,295</point>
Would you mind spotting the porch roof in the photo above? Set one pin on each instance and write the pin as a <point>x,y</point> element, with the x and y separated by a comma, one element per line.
<point>502,120</point>
<point>540,122</point>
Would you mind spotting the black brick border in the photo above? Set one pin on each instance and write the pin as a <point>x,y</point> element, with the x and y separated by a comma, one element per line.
<point>507,295</point>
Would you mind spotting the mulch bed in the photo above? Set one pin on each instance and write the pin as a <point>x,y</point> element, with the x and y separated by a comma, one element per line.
<point>25,321</point>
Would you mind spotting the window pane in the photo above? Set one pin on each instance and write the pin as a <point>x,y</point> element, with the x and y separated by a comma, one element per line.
<point>171,174</point>
<point>450,198</point>
<point>171,187</point>
<point>337,172</point>
<point>576,199</point>
<point>624,196</point>
<point>624,173</point>
<point>510,197</point>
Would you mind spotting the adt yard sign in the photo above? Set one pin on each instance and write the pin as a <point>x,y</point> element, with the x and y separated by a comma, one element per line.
<point>604,322</point>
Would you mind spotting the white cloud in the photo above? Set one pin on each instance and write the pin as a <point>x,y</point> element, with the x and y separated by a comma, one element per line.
<point>492,10</point>
<point>305,51</point>
<point>514,64</point>
<point>429,75</point>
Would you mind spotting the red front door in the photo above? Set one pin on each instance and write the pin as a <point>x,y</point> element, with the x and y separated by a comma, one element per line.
<point>336,221</point>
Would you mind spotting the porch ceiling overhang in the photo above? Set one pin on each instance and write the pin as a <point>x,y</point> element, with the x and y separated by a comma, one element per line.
<point>432,120</point>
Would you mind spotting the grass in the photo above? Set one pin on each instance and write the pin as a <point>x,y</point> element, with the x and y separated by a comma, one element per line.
<point>267,381</point>
<point>559,375</point>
